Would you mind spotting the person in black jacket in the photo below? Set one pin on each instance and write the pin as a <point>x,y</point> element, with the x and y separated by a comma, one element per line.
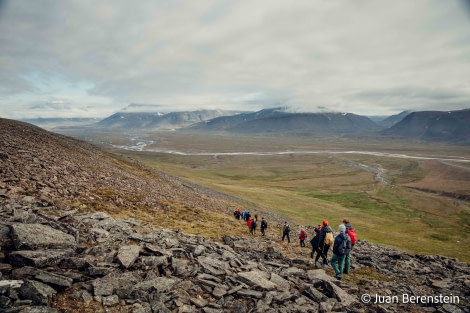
<point>264,225</point>
<point>323,245</point>
<point>314,243</point>
<point>286,232</point>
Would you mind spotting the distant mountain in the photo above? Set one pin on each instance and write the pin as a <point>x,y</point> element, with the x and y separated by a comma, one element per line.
<point>50,123</point>
<point>392,120</point>
<point>159,121</point>
<point>449,126</point>
<point>279,120</point>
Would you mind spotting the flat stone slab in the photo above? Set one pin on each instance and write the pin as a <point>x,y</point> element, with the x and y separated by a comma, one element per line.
<point>128,254</point>
<point>15,284</point>
<point>38,236</point>
<point>38,258</point>
<point>258,278</point>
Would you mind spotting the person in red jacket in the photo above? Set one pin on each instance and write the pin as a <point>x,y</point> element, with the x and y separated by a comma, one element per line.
<point>302,237</point>
<point>351,232</point>
<point>248,223</point>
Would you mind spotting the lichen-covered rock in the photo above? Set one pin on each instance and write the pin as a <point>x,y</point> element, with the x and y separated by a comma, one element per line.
<point>38,236</point>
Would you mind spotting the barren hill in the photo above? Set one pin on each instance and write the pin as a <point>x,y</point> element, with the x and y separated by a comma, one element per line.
<point>61,253</point>
<point>62,170</point>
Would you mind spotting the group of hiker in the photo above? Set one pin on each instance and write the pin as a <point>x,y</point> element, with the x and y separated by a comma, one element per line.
<point>321,242</point>
<point>342,246</point>
<point>251,222</point>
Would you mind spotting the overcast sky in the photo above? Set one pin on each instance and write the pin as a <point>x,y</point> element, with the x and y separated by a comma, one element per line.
<point>93,58</point>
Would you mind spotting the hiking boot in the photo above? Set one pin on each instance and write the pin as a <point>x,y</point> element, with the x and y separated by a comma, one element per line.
<point>338,277</point>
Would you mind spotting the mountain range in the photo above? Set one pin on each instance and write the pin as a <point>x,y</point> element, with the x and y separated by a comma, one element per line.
<point>278,120</point>
<point>159,121</point>
<point>444,126</point>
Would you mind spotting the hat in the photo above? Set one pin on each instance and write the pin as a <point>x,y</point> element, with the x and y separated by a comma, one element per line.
<point>325,223</point>
<point>342,228</point>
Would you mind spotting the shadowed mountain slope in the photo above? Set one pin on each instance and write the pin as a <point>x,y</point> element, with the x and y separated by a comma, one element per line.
<point>449,126</point>
<point>392,120</point>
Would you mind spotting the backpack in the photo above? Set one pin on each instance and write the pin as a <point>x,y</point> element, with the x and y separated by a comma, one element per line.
<point>303,235</point>
<point>287,230</point>
<point>329,239</point>
<point>352,234</point>
<point>264,224</point>
<point>345,246</point>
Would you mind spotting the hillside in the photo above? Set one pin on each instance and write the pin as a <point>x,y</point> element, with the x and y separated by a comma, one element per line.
<point>278,120</point>
<point>85,230</point>
<point>451,126</point>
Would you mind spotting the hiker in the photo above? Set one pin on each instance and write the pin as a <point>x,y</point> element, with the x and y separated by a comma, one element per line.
<point>325,240</point>
<point>341,248</point>
<point>253,226</point>
<point>248,223</point>
<point>238,214</point>
<point>247,216</point>
<point>285,232</point>
<point>302,237</point>
<point>244,215</point>
<point>351,232</point>
<point>314,243</point>
<point>264,225</point>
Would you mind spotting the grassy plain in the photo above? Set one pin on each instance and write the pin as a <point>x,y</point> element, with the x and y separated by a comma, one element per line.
<point>423,207</point>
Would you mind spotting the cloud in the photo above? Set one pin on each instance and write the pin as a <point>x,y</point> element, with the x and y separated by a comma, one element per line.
<point>187,55</point>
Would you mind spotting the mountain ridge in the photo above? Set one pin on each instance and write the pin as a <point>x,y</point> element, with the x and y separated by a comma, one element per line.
<point>277,120</point>
<point>158,121</point>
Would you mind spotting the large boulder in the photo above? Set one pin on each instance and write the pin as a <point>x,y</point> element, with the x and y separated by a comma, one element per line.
<point>38,236</point>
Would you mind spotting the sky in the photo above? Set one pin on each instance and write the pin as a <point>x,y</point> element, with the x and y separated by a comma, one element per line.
<point>370,57</point>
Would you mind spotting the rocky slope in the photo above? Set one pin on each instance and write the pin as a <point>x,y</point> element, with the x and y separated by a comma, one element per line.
<point>57,256</point>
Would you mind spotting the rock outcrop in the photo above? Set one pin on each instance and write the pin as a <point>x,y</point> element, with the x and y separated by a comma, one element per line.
<point>120,265</point>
